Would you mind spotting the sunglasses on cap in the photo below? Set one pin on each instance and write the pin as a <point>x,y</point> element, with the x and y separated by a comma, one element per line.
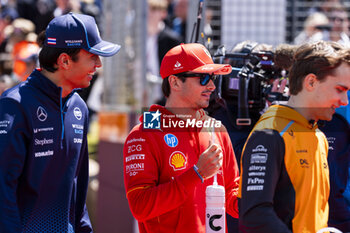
<point>203,78</point>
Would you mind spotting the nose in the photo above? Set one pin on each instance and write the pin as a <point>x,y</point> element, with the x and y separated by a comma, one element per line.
<point>344,99</point>
<point>211,86</point>
<point>98,62</point>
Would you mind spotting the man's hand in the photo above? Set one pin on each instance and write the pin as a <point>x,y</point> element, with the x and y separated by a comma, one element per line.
<point>277,91</point>
<point>210,161</point>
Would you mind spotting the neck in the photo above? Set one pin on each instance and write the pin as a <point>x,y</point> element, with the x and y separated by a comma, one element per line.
<point>56,79</point>
<point>299,105</point>
<point>175,107</point>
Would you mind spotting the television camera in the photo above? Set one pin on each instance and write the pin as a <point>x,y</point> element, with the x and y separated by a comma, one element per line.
<point>247,88</point>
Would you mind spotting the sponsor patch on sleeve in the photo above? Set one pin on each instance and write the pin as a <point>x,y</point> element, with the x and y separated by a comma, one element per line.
<point>4,124</point>
<point>257,169</point>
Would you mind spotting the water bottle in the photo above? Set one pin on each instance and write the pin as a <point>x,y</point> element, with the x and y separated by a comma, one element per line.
<point>215,213</point>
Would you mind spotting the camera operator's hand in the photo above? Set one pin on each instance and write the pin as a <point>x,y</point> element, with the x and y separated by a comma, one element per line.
<point>210,161</point>
<point>277,90</point>
<point>279,85</point>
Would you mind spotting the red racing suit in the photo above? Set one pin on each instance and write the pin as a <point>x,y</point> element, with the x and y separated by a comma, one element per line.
<point>164,192</point>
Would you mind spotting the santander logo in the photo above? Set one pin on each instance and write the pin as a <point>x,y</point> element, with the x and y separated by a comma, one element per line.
<point>177,65</point>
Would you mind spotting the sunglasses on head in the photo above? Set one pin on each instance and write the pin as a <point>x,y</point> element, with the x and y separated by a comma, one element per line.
<point>203,78</point>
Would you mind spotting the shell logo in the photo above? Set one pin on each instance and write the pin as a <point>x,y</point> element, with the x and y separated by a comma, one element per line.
<point>178,160</point>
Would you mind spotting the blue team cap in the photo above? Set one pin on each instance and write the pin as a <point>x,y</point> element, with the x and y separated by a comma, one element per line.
<point>78,31</point>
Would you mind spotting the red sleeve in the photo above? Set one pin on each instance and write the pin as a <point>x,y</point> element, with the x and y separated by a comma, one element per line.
<point>147,198</point>
<point>231,175</point>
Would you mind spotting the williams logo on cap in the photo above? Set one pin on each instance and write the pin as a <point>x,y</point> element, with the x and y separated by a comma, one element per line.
<point>73,42</point>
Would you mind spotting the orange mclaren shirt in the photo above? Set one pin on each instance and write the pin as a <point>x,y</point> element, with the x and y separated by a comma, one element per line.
<point>284,178</point>
<point>164,192</point>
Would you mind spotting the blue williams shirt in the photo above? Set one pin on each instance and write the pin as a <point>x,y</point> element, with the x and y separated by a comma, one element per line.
<point>43,159</point>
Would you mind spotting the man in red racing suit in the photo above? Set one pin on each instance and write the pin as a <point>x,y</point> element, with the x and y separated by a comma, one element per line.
<point>172,156</point>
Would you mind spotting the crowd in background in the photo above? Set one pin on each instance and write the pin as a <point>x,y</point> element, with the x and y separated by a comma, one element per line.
<point>328,21</point>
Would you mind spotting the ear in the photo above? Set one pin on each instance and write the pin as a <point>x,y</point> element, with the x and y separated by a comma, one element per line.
<point>175,83</point>
<point>310,82</point>
<point>64,61</point>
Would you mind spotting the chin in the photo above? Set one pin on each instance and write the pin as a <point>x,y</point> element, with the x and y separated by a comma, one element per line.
<point>330,118</point>
<point>326,118</point>
<point>85,85</point>
<point>205,105</point>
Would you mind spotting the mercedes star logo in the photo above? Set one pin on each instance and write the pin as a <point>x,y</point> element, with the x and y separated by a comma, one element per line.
<point>41,113</point>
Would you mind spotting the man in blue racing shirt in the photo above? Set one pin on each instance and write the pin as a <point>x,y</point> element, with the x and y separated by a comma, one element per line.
<point>43,128</point>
